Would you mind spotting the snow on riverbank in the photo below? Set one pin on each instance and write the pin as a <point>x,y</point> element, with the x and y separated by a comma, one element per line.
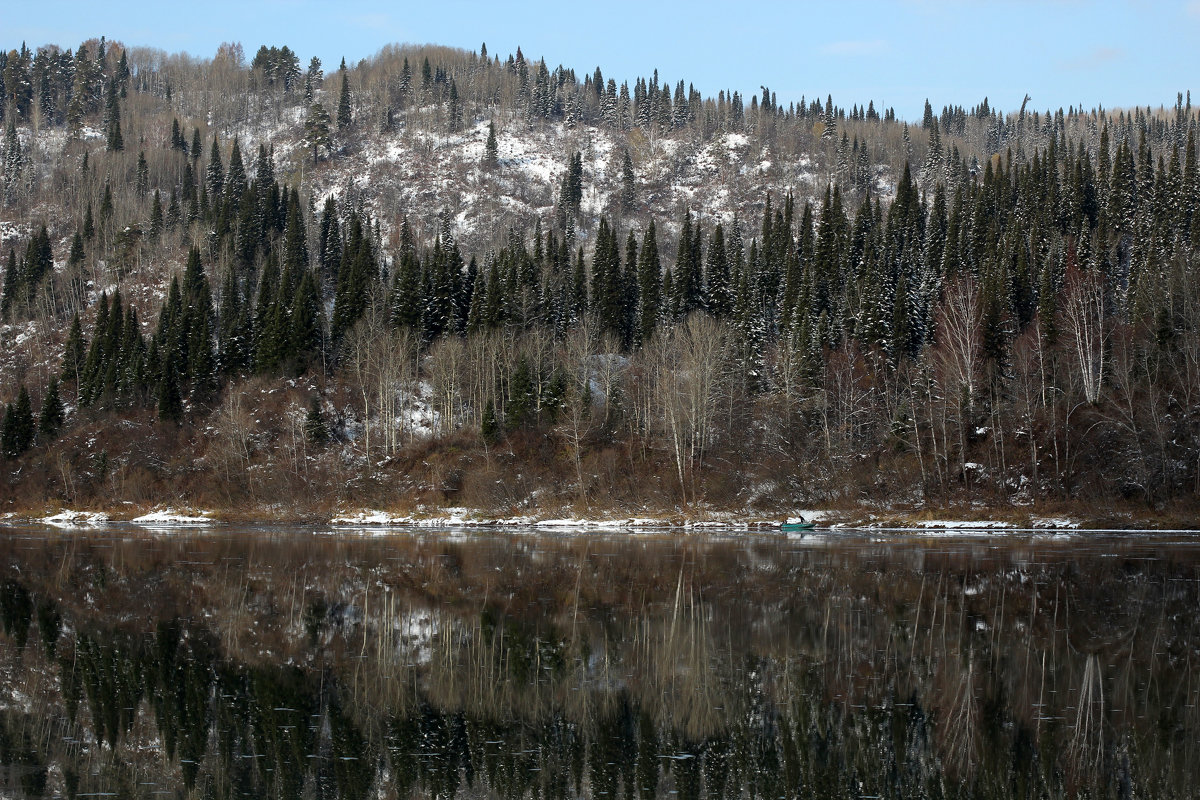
<point>465,518</point>
<point>170,518</point>
<point>76,519</point>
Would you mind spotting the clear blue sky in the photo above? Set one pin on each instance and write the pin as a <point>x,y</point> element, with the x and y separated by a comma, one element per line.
<point>1060,52</point>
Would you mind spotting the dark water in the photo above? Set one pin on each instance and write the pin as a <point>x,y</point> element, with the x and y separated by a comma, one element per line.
<point>279,663</point>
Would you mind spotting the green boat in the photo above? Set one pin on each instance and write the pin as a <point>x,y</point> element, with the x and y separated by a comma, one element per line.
<point>797,526</point>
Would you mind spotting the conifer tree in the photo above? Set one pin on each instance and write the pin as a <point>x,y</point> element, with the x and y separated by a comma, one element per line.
<point>142,181</point>
<point>489,427</point>
<point>214,174</point>
<point>115,142</point>
<point>343,108</point>
<point>317,130</point>
<point>718,297</point>
<point>315,429</point>
<point>649,286</point>
<point>608,289</point>
<point>12,285</point>
<point>170,399</point>
<point>51,418</point>
<point>17,430</point>
<point>156,217</point>
<point>519,410</point>
<point>355,281</point>
<point>74,353</point>
<point>628,184</point>
<point>306,334</point>
<point>491,151</point>
<point>406,302</point>
<point>235,179</point>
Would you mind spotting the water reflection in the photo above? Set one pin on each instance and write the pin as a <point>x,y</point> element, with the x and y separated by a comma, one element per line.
<point>279,663</point>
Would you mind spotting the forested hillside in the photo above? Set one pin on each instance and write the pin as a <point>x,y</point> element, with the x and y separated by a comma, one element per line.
<point>439,277</point>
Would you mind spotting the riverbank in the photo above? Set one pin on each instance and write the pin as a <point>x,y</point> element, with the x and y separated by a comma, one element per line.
<point>930,520</point>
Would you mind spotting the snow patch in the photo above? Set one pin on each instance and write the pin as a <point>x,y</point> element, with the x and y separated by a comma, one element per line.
<point>962,524</point>
<point>1058,523</point>
<point>170,517</point>
<point>76,519</point>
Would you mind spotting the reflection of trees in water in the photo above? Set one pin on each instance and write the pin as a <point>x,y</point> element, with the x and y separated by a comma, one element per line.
<point>561,669</point>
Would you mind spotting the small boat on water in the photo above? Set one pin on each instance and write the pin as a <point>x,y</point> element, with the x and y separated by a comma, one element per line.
<point>800,525</point>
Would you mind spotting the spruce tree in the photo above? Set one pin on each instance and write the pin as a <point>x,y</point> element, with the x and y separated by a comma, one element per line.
<point>491,151</point>
<point>8,433</point>
<point>156,216</point>
<point>628,184</point>
<point>17,430</point>
<point>170,400</point>
<point>214,173</point>
<point>235,179</point>
<point>718,297</point>
<point>406,302</point>
<point>519,411</point>
<point>73,354</point>
<point>12,285</point>
<point>489,427</point>
<point>317,130</point>
<point>306,334</point>
<point>142,180</point>
<point>115,142</point>
<point>51,418</point>
<point>649,286</point>
<point>343,108</point>
<point>315,429</point>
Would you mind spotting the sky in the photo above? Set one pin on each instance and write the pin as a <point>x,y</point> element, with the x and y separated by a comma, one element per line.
<point>1061,53</point>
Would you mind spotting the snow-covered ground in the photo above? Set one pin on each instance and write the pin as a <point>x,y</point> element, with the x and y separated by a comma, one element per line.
<point>169,518</point>
<point>76,519</point>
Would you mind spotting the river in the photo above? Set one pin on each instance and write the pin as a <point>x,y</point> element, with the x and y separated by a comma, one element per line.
<point>313,663</point>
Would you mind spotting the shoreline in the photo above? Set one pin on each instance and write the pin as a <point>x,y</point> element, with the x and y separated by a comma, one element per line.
<point>930,522</point>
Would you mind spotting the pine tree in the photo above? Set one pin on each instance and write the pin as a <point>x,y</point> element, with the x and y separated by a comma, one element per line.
<point>8,433</point>
<point>608,296</point>
<point>355,281</point>
<point>406,302</point>
<point>142,181</point>
<point>115,142</point>
<point>17,430</point>
<point>156,216</point>
<point>269,339</point>
<point>317,130</point>
<point>170,400</point>
<point>74,354</point>
<point>14,160</point>
<point>719,298</point>
<point>649,286</point>
<point>235,179</point>
<point>13,285</point>
<point>52,416</point>
<point>628,184</point>
<point>315,429</point>
<point>489,427</point>
<point>519,411</point>
<point>214,173</point>
<point>491,151</point>
<point>306,334</point>
<point>343,108</point>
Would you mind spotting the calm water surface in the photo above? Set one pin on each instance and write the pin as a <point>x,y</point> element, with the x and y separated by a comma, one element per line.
<point>286,663</point>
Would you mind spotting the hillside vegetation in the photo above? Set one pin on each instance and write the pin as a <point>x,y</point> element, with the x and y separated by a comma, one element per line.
<point>440,277</point>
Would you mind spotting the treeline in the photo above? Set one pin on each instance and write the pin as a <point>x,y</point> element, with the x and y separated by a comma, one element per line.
<point>1021,325</point>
